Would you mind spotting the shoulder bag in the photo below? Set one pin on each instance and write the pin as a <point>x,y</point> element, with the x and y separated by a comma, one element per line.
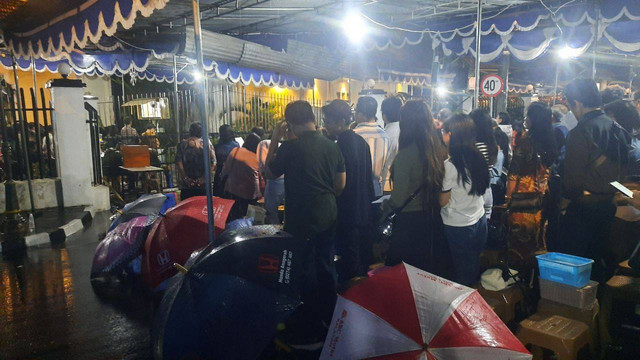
<point>386,225</point>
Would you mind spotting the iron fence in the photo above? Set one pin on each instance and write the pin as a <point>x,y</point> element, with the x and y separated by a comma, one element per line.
<point>28,147</point>
<point>171,113</point>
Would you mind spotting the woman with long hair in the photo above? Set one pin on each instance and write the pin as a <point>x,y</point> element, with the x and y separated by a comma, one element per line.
<point>486,144</point>
<point>533,156</point>
<point>466,179</point>
<point>417,171</point>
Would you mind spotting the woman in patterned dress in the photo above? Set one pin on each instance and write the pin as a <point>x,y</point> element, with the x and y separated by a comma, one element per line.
<point>533,156</point>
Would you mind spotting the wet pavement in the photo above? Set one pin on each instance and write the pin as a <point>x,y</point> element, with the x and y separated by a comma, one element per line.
<point>48,309</point>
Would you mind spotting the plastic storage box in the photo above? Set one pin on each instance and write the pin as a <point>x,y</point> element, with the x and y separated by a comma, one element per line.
<point>567,269</point>
<point>581,298</point>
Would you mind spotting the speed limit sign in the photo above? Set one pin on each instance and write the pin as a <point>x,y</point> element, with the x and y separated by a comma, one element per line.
<point>491,85</point>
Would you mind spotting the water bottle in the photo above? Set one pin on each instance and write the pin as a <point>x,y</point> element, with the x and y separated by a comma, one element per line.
<point>32,224</point>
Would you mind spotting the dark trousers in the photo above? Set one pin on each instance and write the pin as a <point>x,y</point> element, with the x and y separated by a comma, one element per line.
<point>187,193</point>
<point>319,293</point>
<point>412,240</point>
<point>585,231</point>
<point>350,243</point>
<point>466,243</point>
<point>551,212</point>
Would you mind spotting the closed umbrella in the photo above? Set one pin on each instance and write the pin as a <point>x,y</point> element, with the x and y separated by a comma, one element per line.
<point>149,205</point>
<point>120,246</point>
<point>406,313</point>
<point>230,301</point>
<point>182,230</point>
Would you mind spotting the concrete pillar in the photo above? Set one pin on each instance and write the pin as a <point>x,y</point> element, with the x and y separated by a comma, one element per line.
<point>73,146</point>
<point>504,74</point>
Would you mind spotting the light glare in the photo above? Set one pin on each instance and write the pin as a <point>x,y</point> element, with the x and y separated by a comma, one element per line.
<point>354,27</point>
<point>441,91</point>
<point>568,52</point>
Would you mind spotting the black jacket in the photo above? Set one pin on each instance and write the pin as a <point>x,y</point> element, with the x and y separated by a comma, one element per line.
<point>585,168</point>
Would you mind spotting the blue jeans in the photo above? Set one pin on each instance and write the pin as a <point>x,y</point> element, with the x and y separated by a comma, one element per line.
<point>273,197</point>
<point>466,243</point>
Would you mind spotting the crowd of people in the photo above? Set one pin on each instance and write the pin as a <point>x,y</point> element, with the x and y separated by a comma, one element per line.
<point>450,182</point>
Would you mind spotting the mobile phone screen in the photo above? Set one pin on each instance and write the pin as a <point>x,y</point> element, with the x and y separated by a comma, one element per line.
<point>623,189</point>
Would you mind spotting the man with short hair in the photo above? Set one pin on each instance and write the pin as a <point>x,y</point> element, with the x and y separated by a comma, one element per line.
<point>596,154</point>
<point>352,240</point>
<point>390,109</point>
<point>378,140</point>
<point>314,175</point>
<point>128,134</point>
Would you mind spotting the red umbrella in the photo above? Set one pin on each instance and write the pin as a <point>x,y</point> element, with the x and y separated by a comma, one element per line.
<point>182,230</point>
<point>405,313</point>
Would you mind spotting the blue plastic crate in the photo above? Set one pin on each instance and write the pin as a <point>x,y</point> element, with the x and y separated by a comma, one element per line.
<point>566,269</point>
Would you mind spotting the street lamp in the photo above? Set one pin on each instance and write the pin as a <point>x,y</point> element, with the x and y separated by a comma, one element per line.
<point>441,91</point>
<point>354,27</point>
<point>568,52</point>
<point>197,76</point>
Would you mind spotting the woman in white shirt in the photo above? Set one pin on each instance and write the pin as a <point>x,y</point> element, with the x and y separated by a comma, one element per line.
<point>466,179</point>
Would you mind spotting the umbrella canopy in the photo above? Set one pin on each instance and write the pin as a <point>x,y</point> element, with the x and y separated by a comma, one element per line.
<point>145,205</point>
<point>120,246</point>
<point>229,303</point>
<point>406,313</point>
<point>182,230</point>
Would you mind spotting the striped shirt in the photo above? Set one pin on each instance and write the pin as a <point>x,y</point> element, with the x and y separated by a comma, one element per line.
<point>379,143</point>
<point>484,150</point>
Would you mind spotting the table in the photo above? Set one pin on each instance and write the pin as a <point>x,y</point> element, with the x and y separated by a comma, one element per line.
<point>147,171</point>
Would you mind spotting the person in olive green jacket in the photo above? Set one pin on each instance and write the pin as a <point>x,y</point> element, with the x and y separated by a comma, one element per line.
<point>417,169</point>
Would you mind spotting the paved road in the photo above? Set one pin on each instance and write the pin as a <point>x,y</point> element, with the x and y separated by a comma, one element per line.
<point>48,309</point>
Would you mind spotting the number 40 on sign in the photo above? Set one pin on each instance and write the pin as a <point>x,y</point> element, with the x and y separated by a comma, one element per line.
<point>491,85</point>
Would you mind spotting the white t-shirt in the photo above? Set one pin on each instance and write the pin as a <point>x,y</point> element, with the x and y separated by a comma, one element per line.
<point>463,209</point>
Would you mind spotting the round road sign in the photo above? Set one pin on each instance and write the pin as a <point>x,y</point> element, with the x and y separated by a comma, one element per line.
<point>491,85</point>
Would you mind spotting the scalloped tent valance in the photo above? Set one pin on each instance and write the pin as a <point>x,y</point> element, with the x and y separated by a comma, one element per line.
<point>137,64</point>
<point>528,35</point>
<point>406,77</point>
<point>76,28</point>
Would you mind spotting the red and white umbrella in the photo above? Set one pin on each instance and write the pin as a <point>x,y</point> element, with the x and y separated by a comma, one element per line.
<point>405,313</point>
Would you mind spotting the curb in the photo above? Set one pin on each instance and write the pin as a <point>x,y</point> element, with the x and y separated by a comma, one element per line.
<point>64,231</point>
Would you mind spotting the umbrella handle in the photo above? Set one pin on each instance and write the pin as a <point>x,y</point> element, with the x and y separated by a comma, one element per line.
<point>180,268</point>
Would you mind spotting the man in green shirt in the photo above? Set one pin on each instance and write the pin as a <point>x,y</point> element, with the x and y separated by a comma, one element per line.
<point>314,174</point>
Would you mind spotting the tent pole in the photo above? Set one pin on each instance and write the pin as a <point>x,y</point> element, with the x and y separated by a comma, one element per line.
<point>122,86</point>
<point>630,81</point>
<point>176,111</point>
<point>23,132</point>
<point>476,91</point>
<point>202,102</point>
<point>595,45</point>
<point>555,86</point>
<point>435,68</point>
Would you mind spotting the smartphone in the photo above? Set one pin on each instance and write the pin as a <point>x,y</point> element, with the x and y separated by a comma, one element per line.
<point>623,189</point>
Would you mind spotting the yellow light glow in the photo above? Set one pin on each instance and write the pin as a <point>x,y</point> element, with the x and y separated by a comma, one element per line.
<point>278,89</point>
<point>343,89</point>
<point>399,88</point>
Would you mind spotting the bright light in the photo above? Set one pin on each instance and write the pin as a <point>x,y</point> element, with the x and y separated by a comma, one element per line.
<point>441,91</point>
<point>197,76</point>
<point>568,52</point>
<point>278,89</point>
<point>354,27</point>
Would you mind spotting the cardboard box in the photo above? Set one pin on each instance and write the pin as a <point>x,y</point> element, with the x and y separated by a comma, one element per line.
<point>509,297</point>
<point>582,298</point>
<point>134,156</point>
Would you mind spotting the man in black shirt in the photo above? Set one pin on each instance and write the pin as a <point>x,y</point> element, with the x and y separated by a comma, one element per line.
<point>355,201</point>
<point>595,156</point>
<point>314,174</point>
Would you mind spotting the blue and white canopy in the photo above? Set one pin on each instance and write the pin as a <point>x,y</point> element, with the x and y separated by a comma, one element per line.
<point>76,28</point>
<point>529,34</point>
